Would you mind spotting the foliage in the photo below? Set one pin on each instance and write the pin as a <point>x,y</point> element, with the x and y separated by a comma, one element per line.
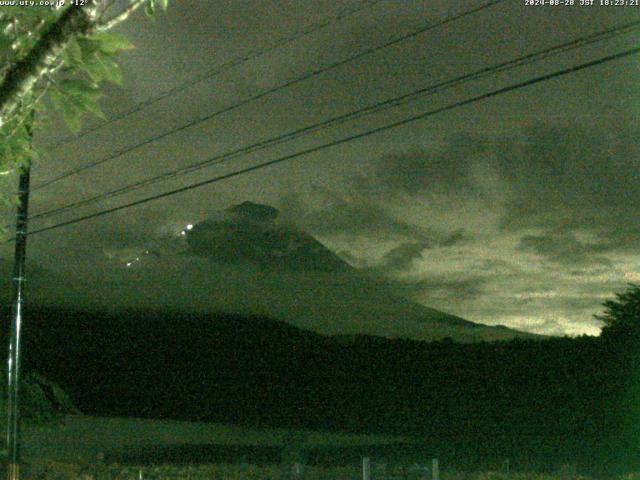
<point>623,313</point>
<point>75,68</point>
<point>41,400</point>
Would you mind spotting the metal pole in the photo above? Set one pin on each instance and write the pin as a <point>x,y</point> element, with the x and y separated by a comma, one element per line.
<point>13,366</point>
<point>435,469</point>
<point>366,468</point>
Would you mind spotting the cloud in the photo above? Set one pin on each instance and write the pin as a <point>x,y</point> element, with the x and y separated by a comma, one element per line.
<point>567,199</point>
<point>402,256</point>
<point>574,178</point>
<point>512,292</point>
<point>334,213</point>
<point>564,176</point>
<point>454,239</point>
<point>532,230</point>
<point>450,169</point>
<point>554,326</point>
<point>443,291</point>
<point>565,248</point>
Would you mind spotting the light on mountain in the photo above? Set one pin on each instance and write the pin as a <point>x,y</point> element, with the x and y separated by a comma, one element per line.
<point>183,232</point>
<point>190,226</point>
<point>128,264</point>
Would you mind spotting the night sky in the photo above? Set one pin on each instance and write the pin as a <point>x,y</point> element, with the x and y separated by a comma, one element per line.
<point>518,210</point>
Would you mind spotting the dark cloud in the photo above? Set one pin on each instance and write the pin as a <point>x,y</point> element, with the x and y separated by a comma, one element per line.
<point>454,239</point>
<point>402,256</point>
<point>442,291</point>
<point>603,288</point>
<point>547,170</point>
<point>98,243</point>
<point>339,214</point>
<point>445,170</point>
<point>573,177</point>
<point>551,177</point>
<point>565,248</point>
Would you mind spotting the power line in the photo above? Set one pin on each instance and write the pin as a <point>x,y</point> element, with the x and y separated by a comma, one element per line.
<point>269,91</point>
<point>392,102</point>
<point>350,138</point>
<point>216,71</point>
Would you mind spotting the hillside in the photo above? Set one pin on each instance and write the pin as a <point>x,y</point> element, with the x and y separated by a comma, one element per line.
<point>538,401</point>
<point>244,260</point>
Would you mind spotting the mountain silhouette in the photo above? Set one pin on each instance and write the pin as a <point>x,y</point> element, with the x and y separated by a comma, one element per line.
<point>246,261</point>
<point>249,233</point>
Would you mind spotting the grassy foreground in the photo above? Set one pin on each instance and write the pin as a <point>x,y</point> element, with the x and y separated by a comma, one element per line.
<point>60,471</point>
<point>87,448</point>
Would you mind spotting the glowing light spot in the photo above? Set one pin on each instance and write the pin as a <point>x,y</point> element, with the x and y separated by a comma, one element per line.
<point>128,264</point>
<point>189,227</point>
<point>183,232</point>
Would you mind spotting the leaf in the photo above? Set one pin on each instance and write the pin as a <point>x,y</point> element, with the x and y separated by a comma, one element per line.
<point>102,67</point>
<point>74,52</point>
<point>5,45</point>
<point>110,69</point>
<point>87,103</point>
<point>80,87</point>
<point>150,8</point>
<point>72,115</point>
<point>92,70</point>
<point>74,97</point>
<point>111,42</point>
<point>88,47</point>
<point>71,112</point>
<point>93,107</point>
<point>56,98</point>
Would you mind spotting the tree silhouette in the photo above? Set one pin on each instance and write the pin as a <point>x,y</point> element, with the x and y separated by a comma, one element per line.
<point>623,313</point>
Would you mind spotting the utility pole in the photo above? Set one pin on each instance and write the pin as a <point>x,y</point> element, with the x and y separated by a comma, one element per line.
<point>13,364</point>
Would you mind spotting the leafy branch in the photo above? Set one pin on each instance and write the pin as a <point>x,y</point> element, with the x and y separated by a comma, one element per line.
<point>63,52</point>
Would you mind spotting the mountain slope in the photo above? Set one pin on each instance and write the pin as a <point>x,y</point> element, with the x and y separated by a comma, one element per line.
<point>249,234</point>
<point>309,286</point>
<point>244,260</point>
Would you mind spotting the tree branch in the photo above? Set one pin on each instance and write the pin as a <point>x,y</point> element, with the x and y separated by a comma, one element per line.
<point>120,17</point>
<point>23,74</point>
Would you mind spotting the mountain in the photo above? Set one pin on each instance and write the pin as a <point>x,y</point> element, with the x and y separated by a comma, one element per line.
<point>246,260</point>
<point>249,233</point>
<point>265,266</point>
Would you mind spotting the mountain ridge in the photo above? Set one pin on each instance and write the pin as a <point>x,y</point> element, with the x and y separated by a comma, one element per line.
<point>245,260</point>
